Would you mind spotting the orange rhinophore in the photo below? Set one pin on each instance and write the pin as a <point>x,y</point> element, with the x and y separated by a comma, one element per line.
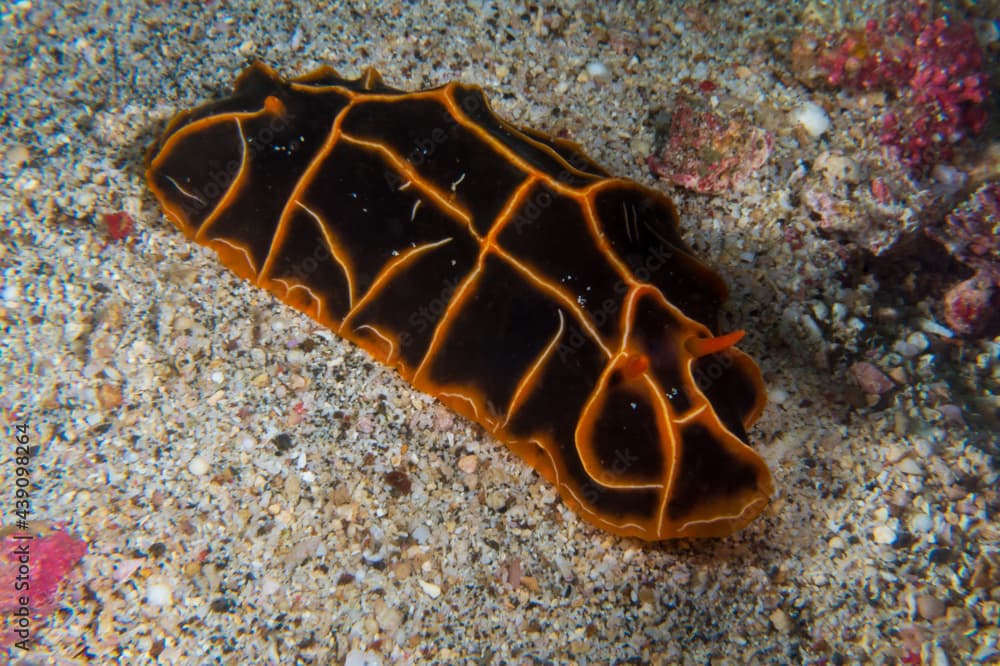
<point>496,268</point>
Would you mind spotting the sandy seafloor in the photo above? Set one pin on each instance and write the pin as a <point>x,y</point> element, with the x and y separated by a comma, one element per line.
<point>239,452</point>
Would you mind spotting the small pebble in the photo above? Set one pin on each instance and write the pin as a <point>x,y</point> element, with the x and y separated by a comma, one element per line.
<point>949,176</point>
<point>109,395</point>
<point>884,534</point>
<point>952,413</point>
<point>10,294</point>
<point>468,463</point>
<point>987,654</point>
<point>359,657</point>
<point>919,341</point>
<point>930,608</point>
<point>389,619</point>
<point>495,500</point>
<point>421,534</point>
<point>910,466</point>
<point>159,594</point>
<point>17,155</point>
<point>922,523</point>
<point>813,119</point>
<point>934,328</point>
<point>781,621</point>
<point>839,312</point>
<point>126,568</point>
<point>198,466</point>
<point>894,454</point>
<point>598,71</point>
<point>819,308</point>
<point>837,169</point>
<point>269,586</point>
<point>430,589</point>
<point>870,378</point>
<point>897,375</point>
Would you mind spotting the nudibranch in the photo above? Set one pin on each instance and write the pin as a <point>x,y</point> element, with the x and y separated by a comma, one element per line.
<point>496,268</point>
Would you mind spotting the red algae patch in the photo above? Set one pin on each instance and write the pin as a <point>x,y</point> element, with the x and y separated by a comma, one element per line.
<point>31,569</point>
<point>708,152</point>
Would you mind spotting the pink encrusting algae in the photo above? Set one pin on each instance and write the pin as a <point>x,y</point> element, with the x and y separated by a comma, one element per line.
<point>708,152</point>
<point>933,66</point>
<point>39,563</point>
<point>971,233</point>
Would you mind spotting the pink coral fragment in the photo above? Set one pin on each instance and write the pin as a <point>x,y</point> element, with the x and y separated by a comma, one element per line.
<point>42,562</point>
<point>935,68</point>
<point>707,153</point>
<point>971,233</point>
<point>968,306</point>
<point>119,225</point>
<point>871,379</point>
<point>881,191</point>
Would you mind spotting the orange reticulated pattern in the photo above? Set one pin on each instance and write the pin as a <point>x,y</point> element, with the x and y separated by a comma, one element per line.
<point>496,268</point>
